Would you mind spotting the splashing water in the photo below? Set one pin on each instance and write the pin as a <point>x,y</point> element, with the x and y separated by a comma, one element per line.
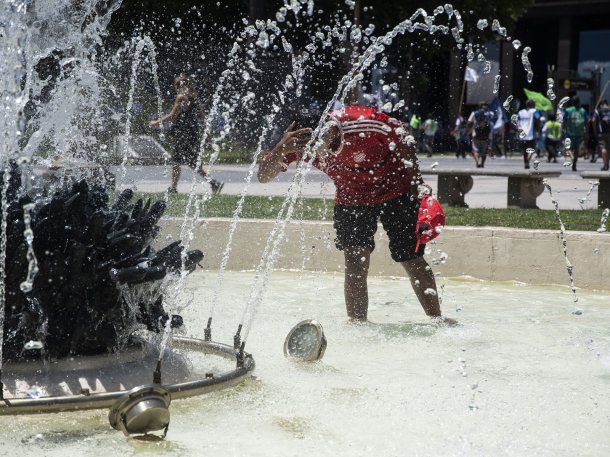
<point>497,80</point>
<point>28,234</point>
<point>564,241</point>
<point>582,201</point>
<point>240,62</point>
<point>602,226</point>
<point>526,63</point>
<point>142,44</point>
<point>550,82</point>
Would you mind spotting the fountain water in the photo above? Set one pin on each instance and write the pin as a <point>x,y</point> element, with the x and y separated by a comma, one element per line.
<point>70,119</point>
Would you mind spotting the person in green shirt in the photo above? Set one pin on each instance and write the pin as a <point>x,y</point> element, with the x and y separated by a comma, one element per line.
<point>552,133</point>
<point>416,125</point>
<point>575,120</point>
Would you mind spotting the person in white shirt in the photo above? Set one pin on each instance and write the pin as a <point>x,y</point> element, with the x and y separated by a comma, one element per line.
<point>529,125</point>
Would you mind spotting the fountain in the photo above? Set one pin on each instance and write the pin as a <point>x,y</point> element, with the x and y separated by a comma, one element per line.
<point>83,291</point>
<point>90,304</point>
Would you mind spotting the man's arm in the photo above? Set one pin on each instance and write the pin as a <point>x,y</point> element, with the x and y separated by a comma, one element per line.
<point>273,162</point>
<point>176,109</point>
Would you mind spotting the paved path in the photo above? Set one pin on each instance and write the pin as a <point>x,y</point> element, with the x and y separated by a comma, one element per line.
<point>487,192</point>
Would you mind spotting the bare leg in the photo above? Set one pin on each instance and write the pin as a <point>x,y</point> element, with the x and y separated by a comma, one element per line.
<point>202,172</point>
<point>355,287</point>
<point>475,155</point>
<point>605,157</point>
<point>422,280</point>
<point>176,171</point>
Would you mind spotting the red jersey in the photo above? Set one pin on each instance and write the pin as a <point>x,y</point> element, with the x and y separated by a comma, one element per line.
<point>366,170</point>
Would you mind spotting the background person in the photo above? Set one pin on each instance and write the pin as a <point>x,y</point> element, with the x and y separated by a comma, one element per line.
<point>591,143</point>
<point>552,140</point>
<point>529,123</point>
<point>430,128</point>
<point>575,120</point>
<point>602,128</point>
<point>376,176</point>
<point>497,147</point>
<point>186,117</point>
<point>415,126</point>
<point>540,135</point>
<point>480,124</point>
<point>461,138</point>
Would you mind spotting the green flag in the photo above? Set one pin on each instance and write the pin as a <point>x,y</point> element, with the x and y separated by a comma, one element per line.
<point>542,103</point>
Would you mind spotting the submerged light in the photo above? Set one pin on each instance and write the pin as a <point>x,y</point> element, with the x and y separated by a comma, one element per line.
<point>306,341</point>
<point>142,410</point>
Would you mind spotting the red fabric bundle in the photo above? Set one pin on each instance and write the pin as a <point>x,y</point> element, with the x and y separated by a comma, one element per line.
<point>430,220</point>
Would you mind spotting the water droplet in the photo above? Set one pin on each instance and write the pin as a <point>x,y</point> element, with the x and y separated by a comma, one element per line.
<point>469,53</point>
<point>562,102</point>
<point>516,44</point>
<point>482,24</point>
<point>430,291</point>
<point>387,107</point>
<point>32,345</point>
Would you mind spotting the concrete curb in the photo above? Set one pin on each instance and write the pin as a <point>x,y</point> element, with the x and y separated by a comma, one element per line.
<point>487,253</point>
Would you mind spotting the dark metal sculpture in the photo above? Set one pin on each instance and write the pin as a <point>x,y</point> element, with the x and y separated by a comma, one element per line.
<point>86,251</point>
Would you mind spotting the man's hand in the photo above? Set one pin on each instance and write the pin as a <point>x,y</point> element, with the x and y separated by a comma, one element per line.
<point>423,189</point>
<point>292,141</point>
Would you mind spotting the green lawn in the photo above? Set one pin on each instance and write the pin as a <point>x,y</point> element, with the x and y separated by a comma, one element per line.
<point>314,209</point>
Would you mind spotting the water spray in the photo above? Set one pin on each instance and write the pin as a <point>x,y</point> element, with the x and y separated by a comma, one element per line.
<point>564,243</point>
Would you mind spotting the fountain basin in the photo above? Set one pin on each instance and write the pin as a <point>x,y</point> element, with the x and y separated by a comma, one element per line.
<point>536,377</point>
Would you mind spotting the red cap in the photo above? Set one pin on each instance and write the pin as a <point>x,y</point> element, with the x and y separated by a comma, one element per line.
<point>430,220</point>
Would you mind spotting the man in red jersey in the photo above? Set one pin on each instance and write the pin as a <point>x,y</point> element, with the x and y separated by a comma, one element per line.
<point>376,174</point>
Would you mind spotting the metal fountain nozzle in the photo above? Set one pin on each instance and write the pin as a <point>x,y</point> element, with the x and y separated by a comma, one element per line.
<point>306,341</point>
<point>142,410</point>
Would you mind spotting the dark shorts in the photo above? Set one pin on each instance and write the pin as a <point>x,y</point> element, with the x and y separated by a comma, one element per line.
<point>481,146</point>
<point>186,150</point>
<point>528,144</point>
<point>356,226</point>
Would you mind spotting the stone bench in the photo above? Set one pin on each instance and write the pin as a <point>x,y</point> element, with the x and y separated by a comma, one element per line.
<point>524,186</point>
<point>603,191</point>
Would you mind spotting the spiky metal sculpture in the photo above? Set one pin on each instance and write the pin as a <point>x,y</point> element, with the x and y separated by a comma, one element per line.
<point>86,251</point>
